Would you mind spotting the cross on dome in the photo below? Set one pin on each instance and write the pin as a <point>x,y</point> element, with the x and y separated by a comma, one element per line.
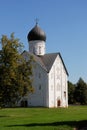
<point>36,20</point>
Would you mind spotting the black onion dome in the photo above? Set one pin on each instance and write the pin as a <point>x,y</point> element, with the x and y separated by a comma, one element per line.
<point>36,34</point>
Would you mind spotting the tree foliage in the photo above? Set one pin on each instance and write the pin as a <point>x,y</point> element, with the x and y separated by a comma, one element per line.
<point>15,72</point>
<point>81,92</point>
<point>71,91</point>
<point>77,93</point>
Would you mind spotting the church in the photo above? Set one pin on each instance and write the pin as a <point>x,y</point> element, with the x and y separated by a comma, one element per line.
<point>49,74</point>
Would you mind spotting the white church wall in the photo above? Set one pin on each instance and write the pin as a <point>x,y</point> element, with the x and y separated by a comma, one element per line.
<point>54,81</point>
<point>64,94</point>
<point>40,82</point>
<point>51,88</point>
<point>57,85</point>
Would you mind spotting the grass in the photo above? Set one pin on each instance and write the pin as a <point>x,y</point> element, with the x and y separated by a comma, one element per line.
<point>42,118</point>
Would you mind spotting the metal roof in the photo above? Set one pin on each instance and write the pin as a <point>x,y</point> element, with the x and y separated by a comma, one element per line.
<point>36,34</point>
<point>46,61</point>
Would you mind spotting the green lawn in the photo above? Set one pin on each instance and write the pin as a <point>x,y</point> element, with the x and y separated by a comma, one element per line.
<point>42,118</point>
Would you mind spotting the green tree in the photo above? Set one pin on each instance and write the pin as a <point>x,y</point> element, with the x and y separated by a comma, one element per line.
<point>81,92</point>
<point>71,91</point>
<point>15,72</point>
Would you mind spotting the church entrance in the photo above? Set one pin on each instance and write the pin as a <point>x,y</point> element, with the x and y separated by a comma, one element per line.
<point>58,103</point>
<point>24,103</point>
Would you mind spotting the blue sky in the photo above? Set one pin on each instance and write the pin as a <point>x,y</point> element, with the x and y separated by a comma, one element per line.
<point>64,22</point>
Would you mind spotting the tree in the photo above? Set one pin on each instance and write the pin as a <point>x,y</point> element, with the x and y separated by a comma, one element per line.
<point>81,91</point>
<point>71,91</point>
<point>15,72</point>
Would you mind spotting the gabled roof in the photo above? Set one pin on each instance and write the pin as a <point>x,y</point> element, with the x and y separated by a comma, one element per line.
<point>47,60</point>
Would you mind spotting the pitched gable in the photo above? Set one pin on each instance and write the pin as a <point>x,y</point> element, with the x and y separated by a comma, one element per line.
<point>46,61</point>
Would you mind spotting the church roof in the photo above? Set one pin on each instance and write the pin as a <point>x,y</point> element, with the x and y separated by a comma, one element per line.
<point>46,61</point>
<point>36,33</point>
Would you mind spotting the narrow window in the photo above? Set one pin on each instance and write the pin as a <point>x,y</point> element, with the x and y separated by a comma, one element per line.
<point>39,49</point>
<point>40,87</point>
<point>65,94</point>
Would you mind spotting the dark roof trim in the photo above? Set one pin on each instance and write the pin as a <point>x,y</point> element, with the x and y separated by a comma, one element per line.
<point>63,64</point>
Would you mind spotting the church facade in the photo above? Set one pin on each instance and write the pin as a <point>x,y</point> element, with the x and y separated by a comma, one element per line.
<point>49,74</point>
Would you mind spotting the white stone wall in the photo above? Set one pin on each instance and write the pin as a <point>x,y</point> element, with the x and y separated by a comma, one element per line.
<point>64,88</point>
<point>37,47</point>
<point>40,84</point>
<point>58,85</point>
